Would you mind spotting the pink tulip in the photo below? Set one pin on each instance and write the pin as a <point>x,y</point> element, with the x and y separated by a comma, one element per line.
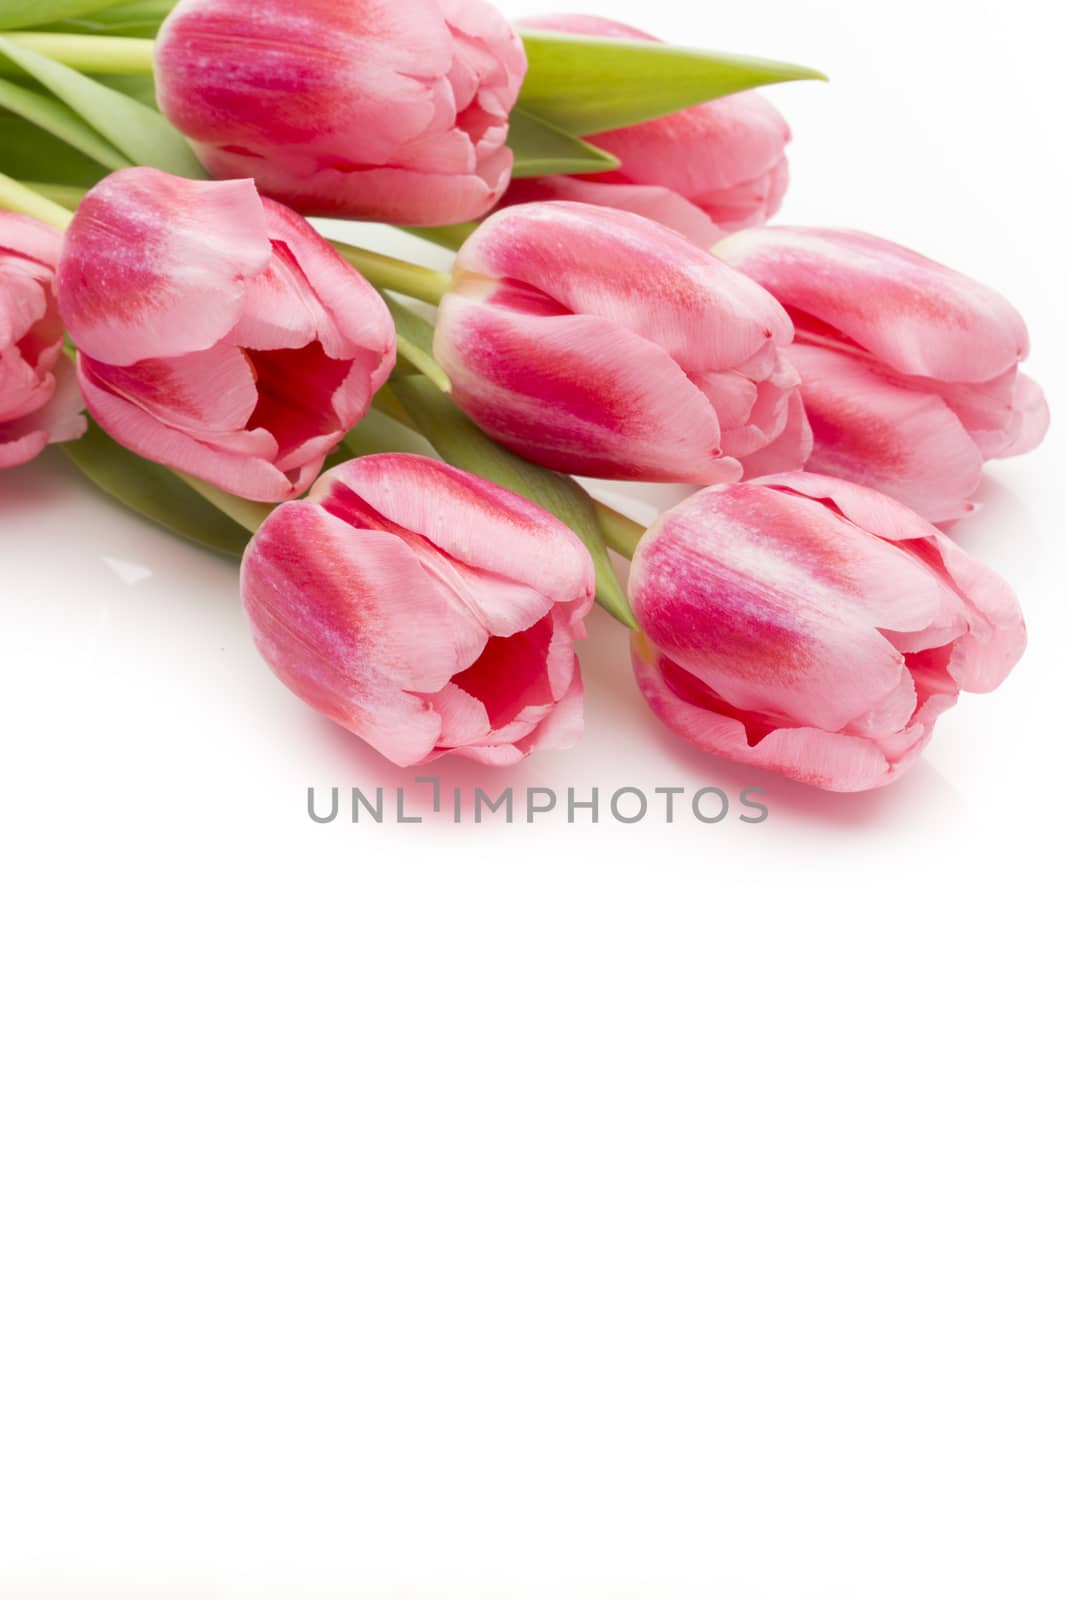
<point>39,399</point>
<point>425,610</point>
<point>910,371</point>
<point>710,168</point>
<point>354,108</point>
<point>218,332</point>
<point>813,627</point>
<point>598,342</point>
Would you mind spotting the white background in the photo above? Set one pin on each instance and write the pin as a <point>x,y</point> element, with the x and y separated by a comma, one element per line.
<point>643,1212</point>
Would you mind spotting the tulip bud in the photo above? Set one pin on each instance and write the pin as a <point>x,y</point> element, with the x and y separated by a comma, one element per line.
<point>597,342</point>
<point>813,627</point>
<point>910,371</point>
<point>39,399</point>
<point>705,170</point>
<point>349,108</point>
<point>218,333</point>
<point>425,610</point>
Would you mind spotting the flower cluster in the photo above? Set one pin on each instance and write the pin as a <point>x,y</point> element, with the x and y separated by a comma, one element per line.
<point>618,307</point>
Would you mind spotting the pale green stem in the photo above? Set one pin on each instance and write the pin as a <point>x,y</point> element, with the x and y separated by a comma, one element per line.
<point>63,194</point>
<point>16,196</point>
<point>250,514</point>
<point>93,53</point>
<point>403,277</point>
<point>621,533</point>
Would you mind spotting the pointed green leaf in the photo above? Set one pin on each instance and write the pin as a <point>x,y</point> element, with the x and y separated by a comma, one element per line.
<point>539,148</point>
<point>590,85</point>
<point>143,136</point>
<point>30,147</point>
<point>457,440</point>
<point>155,493</point>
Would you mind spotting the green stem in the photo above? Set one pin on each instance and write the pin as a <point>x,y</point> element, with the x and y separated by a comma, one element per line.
<point>67,195</point>
<point>403,277</point>
<point>93,53</point>
<point>16,196</point>
<point>621,533</point>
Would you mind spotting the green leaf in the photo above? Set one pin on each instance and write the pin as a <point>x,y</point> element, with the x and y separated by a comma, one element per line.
<point>137,19</point>
<point>34,147</point>
<point>379,434</point>
<point>539,149</point>
<point>592,85</point>
<point>155,493</point>
<point>143,136</point>
<point>457,440</point>
<point>38,13</point>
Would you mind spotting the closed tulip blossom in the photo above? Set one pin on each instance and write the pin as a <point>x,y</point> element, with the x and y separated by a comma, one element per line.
<point>218,333</point>
<point>425,610</point>
<point>813,627</point>
<point>910,370</point>
<point>704,170</point>
<point>348,108</point>
<point>599,342</point>
<point>40,403</point>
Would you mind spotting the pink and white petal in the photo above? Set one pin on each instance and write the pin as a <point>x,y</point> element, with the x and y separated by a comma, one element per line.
<point>842,762</point>
<point>996,633</point>
<point>887,435</point>
<point>580,395</point>
<point>791,449</point>
<point>155,265</point>
<point>22,390</point>
<point>564,724</point>
<point>915,314</point>
<point>337,78</point>
<point>705,151</point>
<point>1030,417</point>
<point>463,718</point>
<point>25,298</point>
<point>779,604</point>
<point>749,204</point>
<point>26,236</point>
<point>210,393</point>
<point>633,273</point>
<point>63,414</point>
<point>486,528</point>
<point>378,194</point>
<point>654,201</point>
<point>869,509</point>
<point>351,316</point>
<point>238,462</point>
<point>358,599</point>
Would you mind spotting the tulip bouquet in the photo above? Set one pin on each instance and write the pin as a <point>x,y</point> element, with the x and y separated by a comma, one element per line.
<point>395,451</point>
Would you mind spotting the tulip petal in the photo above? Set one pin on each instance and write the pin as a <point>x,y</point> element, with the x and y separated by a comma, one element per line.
<point>508,548</point>
<point>915,314</point>
<point>347,79</point>
<point>846,763</point>
<point>237,461</point>
<point>347,618</point>
<point>771,601</point>
<point>626,270</point>
<point>155,265</point>
<point>579,395</point>
<point>885,434</point>
<point>1030,419</point>
<point>353,318</point>
<point>653,201</point>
